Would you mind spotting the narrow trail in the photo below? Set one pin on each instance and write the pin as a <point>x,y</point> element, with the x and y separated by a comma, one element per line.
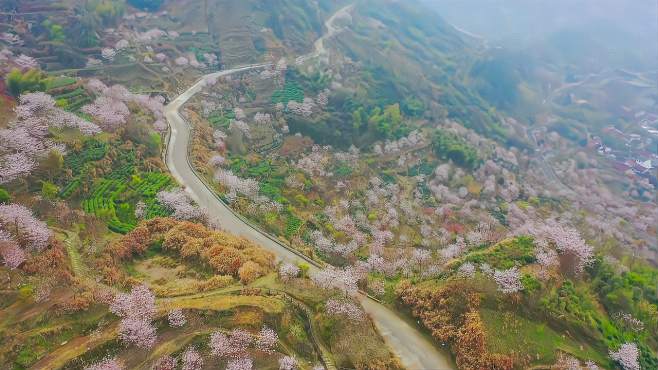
<point>413,349</point>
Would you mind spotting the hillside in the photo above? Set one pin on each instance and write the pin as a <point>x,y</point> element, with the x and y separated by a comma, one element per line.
<point>261,184</point>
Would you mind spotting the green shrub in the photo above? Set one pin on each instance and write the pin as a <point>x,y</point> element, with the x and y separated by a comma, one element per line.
<point>449,146</point>
<point>49,190</point>
<point>19,83</point>
<point>4,196</point>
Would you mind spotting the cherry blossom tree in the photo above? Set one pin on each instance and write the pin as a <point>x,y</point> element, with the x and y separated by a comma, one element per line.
<point>509,281</point>
<point>109,113</point>
<point>138,332</point>
<point>140,210</point>
<point>344,280</point>
<point>288,271</point>
<point>237,185</point>
<point>240,364</point>
<point>467,270</point>
<point>12,255</point>
<point>217,160</point>
<point>287,363</point>
<point>19,221</point>
<point>233,345</point>
<point>266,340</point>
<point>137,310</point>
<point>176,318</point>
<point>107,364</point>
<point>191,359</point>
<point>180,204</point>
<point>181,61</point>
<point>25,62</point>
<point>627,356</point>
<point>165,362</point>
<point>138,304</point>
<point>344,308</point>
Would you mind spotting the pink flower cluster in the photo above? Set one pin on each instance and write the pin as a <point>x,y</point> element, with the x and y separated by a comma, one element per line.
<point>287,363</point>
<point>345,308</point>
<point>137,310</point>
<point>180,204</point>
<point>509,281</point>
<point>345,280</point>
<point>191,359</point>
<point>176,318</point>
<point>107,364</point>
<point>266,340</point>
<point>26,139</point>
<point>627,356</point>
<point>288,271</point>
<point>233,345</point>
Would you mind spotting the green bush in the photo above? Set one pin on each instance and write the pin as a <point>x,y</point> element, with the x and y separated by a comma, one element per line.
<point>19,83</point>
<point>49,190</point>
<point>449,146</point>
<point>4,196</point>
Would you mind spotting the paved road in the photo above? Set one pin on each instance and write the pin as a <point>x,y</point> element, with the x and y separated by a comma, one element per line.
<point>414,350</point>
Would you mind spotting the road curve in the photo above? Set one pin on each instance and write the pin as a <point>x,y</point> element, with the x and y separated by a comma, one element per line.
<point>412,348</point>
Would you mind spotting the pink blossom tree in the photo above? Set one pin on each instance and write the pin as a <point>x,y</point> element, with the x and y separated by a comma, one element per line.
<point>165,362</point>
<point>287,363</point>
<point>288,271</point>
<point>176,318</point>
<point>138,332</point>
<point>344,280</point>
<point>627,356</point>
<point>508,281</point>
<point>345,308</point>
<point>266,340</point>
<point>233,345</point>
<point>27,230</point>
<point>180,204</point>
<point>240,364</point>
<point>137,310</point>
<point>191,359</point>
<point>107,364</point>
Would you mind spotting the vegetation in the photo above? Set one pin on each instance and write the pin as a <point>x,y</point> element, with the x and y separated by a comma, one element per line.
<point>449,146</point>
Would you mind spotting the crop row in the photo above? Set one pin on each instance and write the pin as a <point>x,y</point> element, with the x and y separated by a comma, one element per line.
<point>291,91</point>
<point>102,204</point>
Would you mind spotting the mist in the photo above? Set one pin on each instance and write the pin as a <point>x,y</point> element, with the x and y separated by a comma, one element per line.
<point>592,34</point>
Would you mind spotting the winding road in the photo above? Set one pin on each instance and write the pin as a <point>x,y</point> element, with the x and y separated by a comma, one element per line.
<point>413,348</point>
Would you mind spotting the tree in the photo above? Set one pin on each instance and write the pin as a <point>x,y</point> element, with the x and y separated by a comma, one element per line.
<point>53,163</point>
<point>49,190</point>
<point>107,364</point>
<point>344,308</point>
<point>287,363</point>
<point>191,359</point>
<point>165,362</point>
<point>288,271</point>
<point>137,310</point>
<point>4,196</point>
<point>449,146</point>
<point>509,281</point>
<point>249,272</point>
<point>26,229</point>
<point>234,345</point>
<point>19,83</point>
<point>138,332</point>
<point>240,364</point>
<point>176,318</point>
<point>267,338</point>
<point>627,356</point>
